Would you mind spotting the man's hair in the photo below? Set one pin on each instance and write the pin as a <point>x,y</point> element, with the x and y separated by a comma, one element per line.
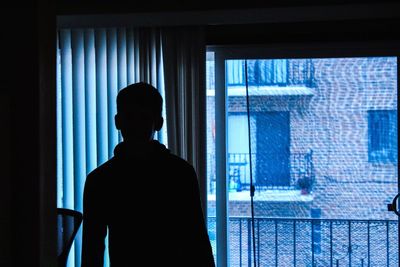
<point>142,94</point>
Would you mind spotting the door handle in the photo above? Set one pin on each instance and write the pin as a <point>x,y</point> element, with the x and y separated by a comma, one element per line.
<point>393,206</point>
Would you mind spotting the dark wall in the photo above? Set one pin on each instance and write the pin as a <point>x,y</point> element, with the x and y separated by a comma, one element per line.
<point>124,6</point>
<point>361,30</point>
<point>19,84</point>
<point>26,74</point>
<point>296,22</point>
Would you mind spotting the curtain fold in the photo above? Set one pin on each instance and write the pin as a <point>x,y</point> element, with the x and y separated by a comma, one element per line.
<point>184,55</point>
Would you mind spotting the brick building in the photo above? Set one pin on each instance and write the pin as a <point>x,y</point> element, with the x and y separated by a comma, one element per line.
<point>331,119</point>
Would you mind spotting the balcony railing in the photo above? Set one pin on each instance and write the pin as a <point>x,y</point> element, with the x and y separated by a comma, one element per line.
<point>294,72</point>
<point>311,242</point>
<point>300,166</point>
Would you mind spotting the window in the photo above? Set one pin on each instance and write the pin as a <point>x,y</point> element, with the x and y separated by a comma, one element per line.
<point>238,152</point>
<point>382,136</point>
<point>300,129</point>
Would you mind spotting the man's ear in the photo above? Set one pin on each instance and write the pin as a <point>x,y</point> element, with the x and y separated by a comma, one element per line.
<point>159,123</point>
<point>117,120</point>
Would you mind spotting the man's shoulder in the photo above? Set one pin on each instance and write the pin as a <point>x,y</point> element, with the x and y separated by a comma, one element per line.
<point>103,169</point>
<point>177,161</point>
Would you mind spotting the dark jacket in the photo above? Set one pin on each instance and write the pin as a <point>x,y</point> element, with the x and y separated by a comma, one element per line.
<point>151,206</point>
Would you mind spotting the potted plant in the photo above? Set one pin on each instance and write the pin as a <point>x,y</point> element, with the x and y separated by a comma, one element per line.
<point>304,183</point>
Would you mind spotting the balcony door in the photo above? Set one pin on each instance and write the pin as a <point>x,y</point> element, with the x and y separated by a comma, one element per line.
<point>273,143</point>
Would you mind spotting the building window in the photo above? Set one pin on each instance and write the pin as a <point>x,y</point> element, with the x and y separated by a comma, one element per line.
<point>382,136</point>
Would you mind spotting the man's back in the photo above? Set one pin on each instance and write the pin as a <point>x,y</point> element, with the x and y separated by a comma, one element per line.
<point>151,206</point>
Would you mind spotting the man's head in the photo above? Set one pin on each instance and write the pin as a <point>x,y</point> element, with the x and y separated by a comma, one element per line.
<point>139,112</point>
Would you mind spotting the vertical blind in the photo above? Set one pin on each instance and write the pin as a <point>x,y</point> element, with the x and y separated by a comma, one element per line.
<point>92,66</point>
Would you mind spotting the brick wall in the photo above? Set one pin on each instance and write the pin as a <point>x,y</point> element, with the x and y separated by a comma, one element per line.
<point>348,186</point>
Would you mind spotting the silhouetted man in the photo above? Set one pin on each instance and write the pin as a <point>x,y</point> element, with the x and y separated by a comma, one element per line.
<point>147,198</point>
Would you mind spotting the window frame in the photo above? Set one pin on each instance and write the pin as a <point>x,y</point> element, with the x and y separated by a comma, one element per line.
<point>269,51</point>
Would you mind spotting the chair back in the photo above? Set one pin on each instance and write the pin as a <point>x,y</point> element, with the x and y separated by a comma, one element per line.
<point>68,223</point>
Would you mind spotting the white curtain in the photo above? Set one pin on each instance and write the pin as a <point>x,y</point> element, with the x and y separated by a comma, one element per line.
<point>92,66</point>
<point>184,67</point>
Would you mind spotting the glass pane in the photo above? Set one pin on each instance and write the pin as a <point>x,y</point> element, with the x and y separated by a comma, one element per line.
<point>319,141</point>
<point>211,176</point>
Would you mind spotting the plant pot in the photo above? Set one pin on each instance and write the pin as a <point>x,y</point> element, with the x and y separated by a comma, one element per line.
<point>304,191</point>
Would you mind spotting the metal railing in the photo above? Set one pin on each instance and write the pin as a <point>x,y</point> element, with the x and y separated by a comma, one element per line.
<point>300,166</point>
<point>271,72</point>
<point>312,242</point>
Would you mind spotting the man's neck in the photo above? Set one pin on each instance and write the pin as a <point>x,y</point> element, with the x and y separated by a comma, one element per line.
<point>138,147</point>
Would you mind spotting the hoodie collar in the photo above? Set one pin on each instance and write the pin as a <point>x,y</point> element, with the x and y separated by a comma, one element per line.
<point>125,150</point>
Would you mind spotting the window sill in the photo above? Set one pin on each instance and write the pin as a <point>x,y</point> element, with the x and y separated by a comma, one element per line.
<point>268,91</point>
<point>269,196</point>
